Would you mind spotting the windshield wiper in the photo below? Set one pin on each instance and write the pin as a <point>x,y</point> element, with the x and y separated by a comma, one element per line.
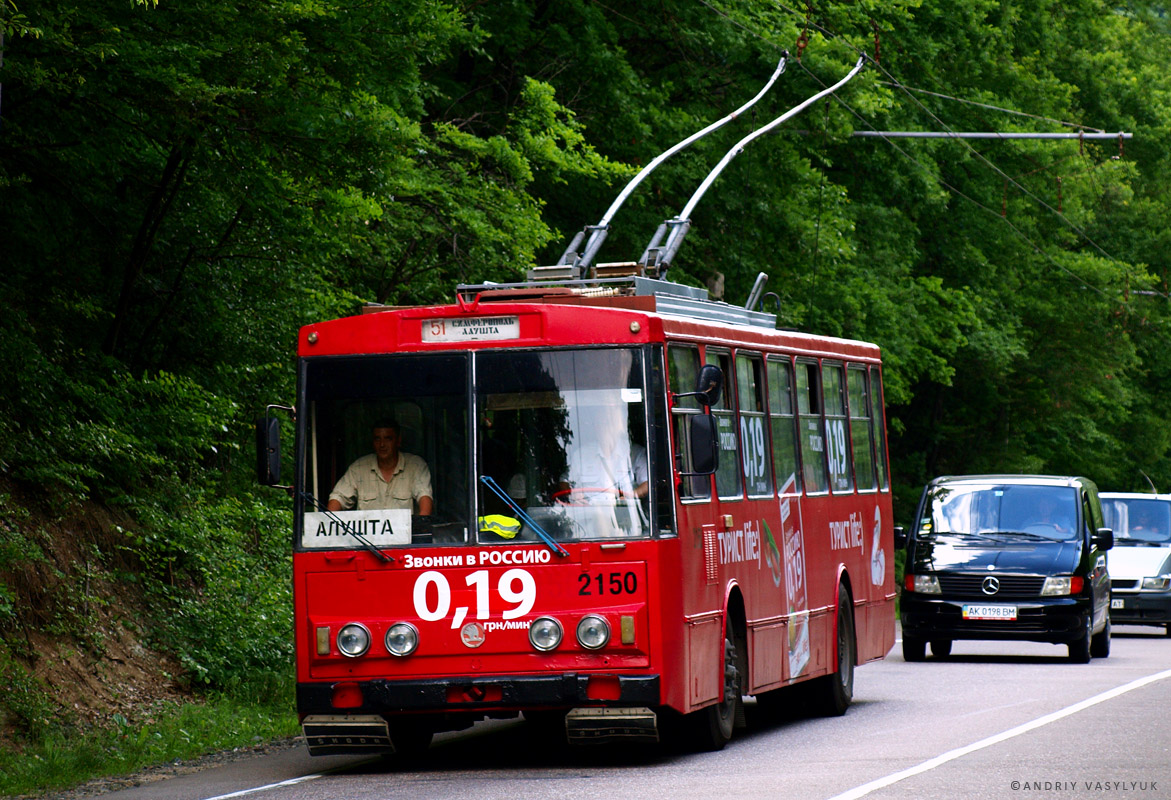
<point>964,535</point>
<point>349,528</point>
<point>491,483</point>
<point>1037,537</point>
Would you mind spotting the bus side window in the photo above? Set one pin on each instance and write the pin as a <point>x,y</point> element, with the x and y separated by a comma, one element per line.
<point>659,446</point>
<point>833,385</point>
<point>810,426</point>
<point>753,439</point>
<point>783,426</point>
<point>728,474</point>
<point>878,414</point>
<point>683,363</point>
<point>861,428</point>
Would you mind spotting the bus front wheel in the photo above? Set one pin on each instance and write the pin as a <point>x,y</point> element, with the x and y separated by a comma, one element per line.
<point>712,726</point>
<point>835,692</point>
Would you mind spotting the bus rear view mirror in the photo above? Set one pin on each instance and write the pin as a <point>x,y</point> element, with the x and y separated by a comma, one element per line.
<point>709,383</point>
<point>705,451</point>
<point>268,451</point>
<point>268,447</point>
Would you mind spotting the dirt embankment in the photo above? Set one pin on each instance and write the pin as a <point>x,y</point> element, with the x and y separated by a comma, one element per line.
<point>74,627</point>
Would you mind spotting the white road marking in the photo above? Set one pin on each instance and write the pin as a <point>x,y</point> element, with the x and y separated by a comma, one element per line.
<point>291,781</point>
<point>882,783</point>
<point>266,787</point>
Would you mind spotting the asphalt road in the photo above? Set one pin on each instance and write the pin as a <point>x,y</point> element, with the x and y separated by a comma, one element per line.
<point>995,720</point>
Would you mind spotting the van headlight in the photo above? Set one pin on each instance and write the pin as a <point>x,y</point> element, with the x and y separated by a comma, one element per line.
<point>1061,585</point>
<point>923,584</point>
<point>353,640</point>
<point>1157,584</point>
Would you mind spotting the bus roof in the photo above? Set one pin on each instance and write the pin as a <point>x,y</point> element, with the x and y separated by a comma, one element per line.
<point>536,314</point>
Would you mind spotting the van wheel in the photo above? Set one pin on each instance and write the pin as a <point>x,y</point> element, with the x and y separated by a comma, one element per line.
<point>835,692</point>
<point>914,649</point>
<point>1100,644</point>
<point>1079,651</point>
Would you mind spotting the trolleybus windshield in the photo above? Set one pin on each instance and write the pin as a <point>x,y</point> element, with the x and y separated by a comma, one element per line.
<point>561,433</point>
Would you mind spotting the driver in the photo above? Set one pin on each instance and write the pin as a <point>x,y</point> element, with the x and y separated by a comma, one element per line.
<point>1054,514</point>
<point>386,478</point>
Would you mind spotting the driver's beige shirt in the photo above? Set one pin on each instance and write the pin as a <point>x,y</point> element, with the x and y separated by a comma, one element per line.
<point>363,486</point>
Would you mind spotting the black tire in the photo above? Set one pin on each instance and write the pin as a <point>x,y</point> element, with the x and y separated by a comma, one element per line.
<point>410,738</point>
<point>1168,630</point>
<point>914,649</point>
<point>1079,650</point>
<point>713,726</point>
<point>834,693</point>
<point>1100,643</point>
<point>941,648</point>
<point>546,727</point>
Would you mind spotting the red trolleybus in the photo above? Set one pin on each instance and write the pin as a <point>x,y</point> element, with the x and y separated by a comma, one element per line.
<point>596,498</point>
<point>644,506</point>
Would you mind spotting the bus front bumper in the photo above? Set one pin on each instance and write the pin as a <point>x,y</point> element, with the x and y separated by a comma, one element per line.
<point>360,716</point>
<point>460,694</point>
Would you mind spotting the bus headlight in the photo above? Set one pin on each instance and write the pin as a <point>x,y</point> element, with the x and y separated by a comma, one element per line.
<point>353,640</point>
<point>401,639</point>
<point>545,633</point>
<point>593,632</point>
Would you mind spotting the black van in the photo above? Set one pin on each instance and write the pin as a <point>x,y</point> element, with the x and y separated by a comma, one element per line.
<point>1008,557</point>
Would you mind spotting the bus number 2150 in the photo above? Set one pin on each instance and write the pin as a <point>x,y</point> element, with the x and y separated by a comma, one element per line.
<point>607,583</point>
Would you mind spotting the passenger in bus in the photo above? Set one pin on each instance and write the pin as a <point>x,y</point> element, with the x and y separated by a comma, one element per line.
<point>607,467</point>
<point>638,461</point>
<point>386,478</point>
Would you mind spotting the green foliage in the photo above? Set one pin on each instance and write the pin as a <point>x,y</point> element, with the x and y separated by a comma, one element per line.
<point>175,732</point>
<point>223,567</point>
<point>185,184</point>
<point>28,704</point>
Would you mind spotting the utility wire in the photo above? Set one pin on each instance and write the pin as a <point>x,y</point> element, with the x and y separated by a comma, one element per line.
<point>831,36</point>
<point>993,108</point>
<point>970,199</point>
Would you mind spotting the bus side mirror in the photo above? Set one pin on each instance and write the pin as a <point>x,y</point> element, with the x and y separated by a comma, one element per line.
<point>705,450</point>
<point>709,383</point>
<point>1103,539</point>
<point>268,451</point>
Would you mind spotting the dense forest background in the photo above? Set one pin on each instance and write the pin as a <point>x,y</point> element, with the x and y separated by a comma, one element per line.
<point>183,185</point>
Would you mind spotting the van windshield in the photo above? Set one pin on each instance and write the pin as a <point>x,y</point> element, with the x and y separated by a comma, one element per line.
<point>970,508</point>
<point>1137,521</point>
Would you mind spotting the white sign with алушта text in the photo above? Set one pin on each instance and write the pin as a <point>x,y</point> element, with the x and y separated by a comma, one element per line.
<point>380,527</point>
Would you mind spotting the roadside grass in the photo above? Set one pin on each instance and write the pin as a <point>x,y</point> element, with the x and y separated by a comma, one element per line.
<point>61,760</point>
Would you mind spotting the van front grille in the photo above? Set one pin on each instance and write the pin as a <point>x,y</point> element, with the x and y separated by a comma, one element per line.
<point>972,585</point>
